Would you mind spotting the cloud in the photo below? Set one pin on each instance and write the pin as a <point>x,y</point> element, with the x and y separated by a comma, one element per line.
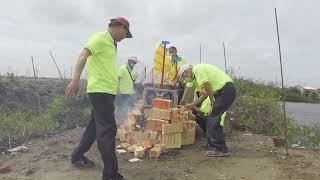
<point>33,28</point>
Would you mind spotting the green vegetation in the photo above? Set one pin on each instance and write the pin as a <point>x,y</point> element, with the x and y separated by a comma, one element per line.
<point>61,114</point>
<point>292,95</point>
<point>257,109</point>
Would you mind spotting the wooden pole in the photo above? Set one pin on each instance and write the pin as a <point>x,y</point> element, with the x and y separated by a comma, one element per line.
<point>282,86</point>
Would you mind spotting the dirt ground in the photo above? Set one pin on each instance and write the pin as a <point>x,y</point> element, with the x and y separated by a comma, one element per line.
<point>253,157</point>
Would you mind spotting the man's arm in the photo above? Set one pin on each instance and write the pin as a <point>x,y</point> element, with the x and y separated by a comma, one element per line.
<point>199,100</point>
<point>187,92</point>
<point>209,92</point>
<point>73,86</point>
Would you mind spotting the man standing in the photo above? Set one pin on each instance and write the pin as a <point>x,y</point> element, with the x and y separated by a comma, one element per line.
<point>127,76</point>
<point>100,53</point>
<point>176,62</point>
<point>222,93</point>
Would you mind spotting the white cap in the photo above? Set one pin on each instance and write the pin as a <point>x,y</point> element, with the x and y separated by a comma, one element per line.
<point>183,68</point>
<point>134,59</point>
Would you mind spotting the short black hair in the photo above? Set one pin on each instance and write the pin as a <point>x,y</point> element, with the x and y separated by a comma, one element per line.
<point>174,48</point>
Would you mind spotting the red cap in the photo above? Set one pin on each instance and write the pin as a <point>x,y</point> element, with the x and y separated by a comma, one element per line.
<point>124,22</point>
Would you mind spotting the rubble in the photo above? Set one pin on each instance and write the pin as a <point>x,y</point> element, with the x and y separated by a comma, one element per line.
<point>134,160</point>
<point>18,149</point>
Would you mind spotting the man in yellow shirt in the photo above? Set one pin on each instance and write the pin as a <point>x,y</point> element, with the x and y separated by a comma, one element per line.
<point>219,87</point>
<point>100,56</point>
<point>176,61</point>
<point>202,112</point>
<point>125,99</point>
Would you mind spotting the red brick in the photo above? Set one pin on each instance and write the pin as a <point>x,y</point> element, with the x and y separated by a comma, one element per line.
<point>162,104</point>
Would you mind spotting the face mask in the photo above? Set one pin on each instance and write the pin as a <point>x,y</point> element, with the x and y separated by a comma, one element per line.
<point>130,64</point>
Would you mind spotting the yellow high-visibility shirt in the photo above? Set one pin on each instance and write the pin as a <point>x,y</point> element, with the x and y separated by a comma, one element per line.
<point>102,71</point>
<point>209,73</point>
<point>126,85</point>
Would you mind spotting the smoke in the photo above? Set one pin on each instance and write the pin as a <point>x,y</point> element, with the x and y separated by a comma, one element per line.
<point>124,103</point>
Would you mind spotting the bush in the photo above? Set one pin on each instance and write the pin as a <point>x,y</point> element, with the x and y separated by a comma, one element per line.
<point>257,108</point>
<point>59,115</point>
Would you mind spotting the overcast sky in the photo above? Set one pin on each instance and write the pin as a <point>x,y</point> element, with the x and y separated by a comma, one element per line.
<point>34,27</point>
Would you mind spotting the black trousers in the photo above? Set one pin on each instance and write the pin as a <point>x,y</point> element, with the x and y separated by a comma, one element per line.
<point>102,127</point>
<point>201,120</point>
<point>223,101</point>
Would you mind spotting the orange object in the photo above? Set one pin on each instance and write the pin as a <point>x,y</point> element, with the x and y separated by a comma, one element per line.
<point>146,144</point>
<point>162,103</point>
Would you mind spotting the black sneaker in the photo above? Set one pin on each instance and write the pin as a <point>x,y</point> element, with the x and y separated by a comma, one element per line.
<point>117,177</point>
<point>83,162</point>
<point>204,146</point>
<point>212,152</point>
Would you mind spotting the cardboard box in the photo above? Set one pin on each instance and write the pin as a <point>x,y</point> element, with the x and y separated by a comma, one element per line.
<point>131,148</point>
<point>148,113</point>
<point>188,136</point>
<point>130,137</point>
<point>189,125</point>
<point>178,118</point>
<point>161,114</point>
<point>163,147</point>
<point>139,152</point>
<point>138,137</point>
<point>155,124</point>
<point>162,104</point>
<point>172,128</point>
<point>122,135</point>
<point>172,140</point>
<point>155,152</point>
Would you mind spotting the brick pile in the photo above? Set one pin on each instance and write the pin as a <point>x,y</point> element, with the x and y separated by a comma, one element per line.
<point>165,128</point>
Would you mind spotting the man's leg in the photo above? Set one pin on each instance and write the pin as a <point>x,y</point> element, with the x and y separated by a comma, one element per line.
<point>106,129</point>
<point>215,136</point>
<point>86,142</point>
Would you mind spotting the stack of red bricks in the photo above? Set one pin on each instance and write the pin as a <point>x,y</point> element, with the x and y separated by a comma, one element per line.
<point>166,128</point>
<point>172,124</point>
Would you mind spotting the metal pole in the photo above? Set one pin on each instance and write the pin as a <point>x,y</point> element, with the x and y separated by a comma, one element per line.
<point>282,86</point>
<point>200,53</point>
<point>56,65</point>
<point>163,61</point>
<point>37,92</point>
<point>225,58</point>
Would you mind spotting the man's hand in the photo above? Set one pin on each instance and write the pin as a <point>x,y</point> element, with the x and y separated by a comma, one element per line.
<point>74,85</point>
<point>183,102</point>
<point>189,106</point>
<point>72,89</point>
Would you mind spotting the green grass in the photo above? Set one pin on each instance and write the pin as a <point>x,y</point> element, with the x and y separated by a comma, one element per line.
<point>61,114</point>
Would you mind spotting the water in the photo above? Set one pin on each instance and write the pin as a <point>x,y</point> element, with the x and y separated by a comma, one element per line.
<point>304,113</point>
